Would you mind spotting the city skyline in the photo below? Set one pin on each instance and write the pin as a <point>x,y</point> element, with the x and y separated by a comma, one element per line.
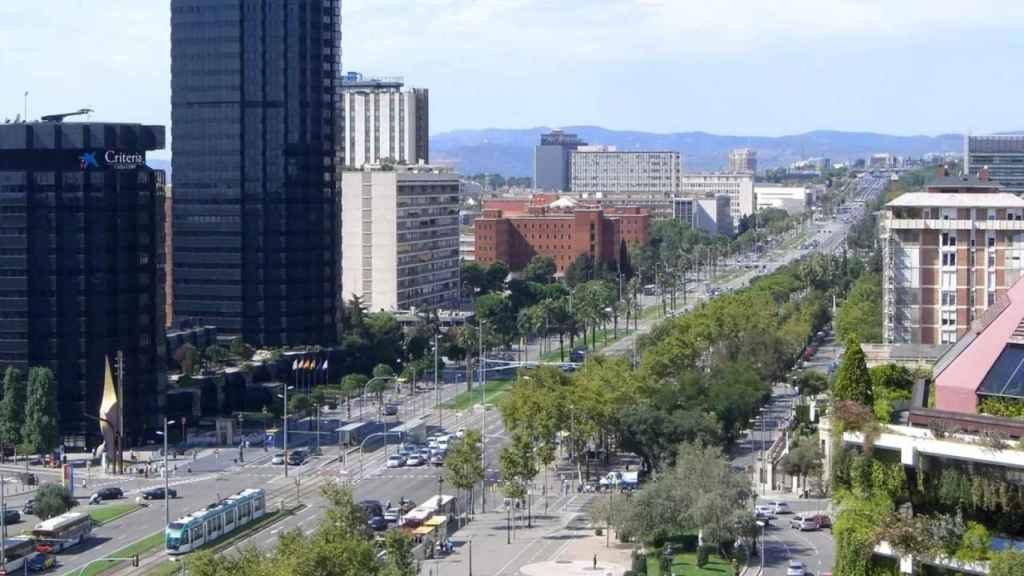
<point>862,66</point>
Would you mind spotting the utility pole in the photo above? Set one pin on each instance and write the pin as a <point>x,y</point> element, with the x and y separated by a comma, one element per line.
<point>3,525</point>
<point>167,475</point>
<point>437,387</point>
<point>483,420</point>
<point>285,430</point>
<point>119,436</point>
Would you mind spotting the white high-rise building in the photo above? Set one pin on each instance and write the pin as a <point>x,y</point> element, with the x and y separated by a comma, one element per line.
<point>739,187</point>
<point>400,237</point>
<point>605,172</point>
<point>385,123</point>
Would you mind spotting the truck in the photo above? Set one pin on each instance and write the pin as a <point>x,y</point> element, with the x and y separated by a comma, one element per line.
<point>625,480</point>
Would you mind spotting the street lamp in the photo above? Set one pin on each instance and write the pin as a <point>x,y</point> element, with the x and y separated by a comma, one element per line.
<point>285,397</point>
<point>483,418</point>
<point>365,386</point>
<point>167,495</point>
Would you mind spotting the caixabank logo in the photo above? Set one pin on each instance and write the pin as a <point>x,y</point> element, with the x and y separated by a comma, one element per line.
<point>111,159</point>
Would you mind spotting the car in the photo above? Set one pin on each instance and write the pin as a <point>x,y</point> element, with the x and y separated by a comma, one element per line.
<point>377,523</point>
<point>437,459</point>
<point>823,520</point>
<point>371,508</point>
<point>460,433</point>
<point>414,460</point>
<point>432,442</point>
<point>765,510</point>
<point>795,568</point>
<point>110,493</point>
<point>42,562</point>
<point>395,461</point>
<point>158,493</point>
<point>803,522</point>
<point>29,507</point>
<point>297,457</point>
<point>278,458</point>
<point>425,453</point>
<point>391,410</point>
<point>780,507</point>
<point>11,516</point>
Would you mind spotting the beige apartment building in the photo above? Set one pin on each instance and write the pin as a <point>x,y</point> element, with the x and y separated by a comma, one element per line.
<point>948,255</point>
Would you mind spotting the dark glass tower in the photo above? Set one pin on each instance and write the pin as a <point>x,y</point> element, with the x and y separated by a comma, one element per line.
<point>82,266</point>
<point>255,154</point>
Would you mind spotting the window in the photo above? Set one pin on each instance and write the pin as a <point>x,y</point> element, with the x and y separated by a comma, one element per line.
<point>948,318</point>
<point>947,337</point>
<point>948,298</point>
<point>949,280</point>
<point>949,259</point>
<point>948,239</point>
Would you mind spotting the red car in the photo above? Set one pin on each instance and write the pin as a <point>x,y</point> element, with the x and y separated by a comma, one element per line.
<point>822,520</point>
<point>809,353</point>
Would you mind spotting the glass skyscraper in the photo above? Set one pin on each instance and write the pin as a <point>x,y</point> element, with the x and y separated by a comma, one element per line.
<point>254,93</point>
<point>82,266</point>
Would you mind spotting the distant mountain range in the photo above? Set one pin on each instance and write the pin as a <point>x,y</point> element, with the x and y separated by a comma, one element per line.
<point>510,152</point>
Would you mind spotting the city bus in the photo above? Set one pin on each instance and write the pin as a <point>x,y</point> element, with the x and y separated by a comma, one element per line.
<point>191,532</point>
<point>60,532</point>
<point>18,551</point>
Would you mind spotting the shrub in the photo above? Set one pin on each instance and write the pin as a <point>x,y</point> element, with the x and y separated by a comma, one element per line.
<point>975,544</point>
<point>1007,563</point>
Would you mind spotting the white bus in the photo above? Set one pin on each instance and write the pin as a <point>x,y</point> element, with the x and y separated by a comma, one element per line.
<point>19,550</point>
<point>60,532</point>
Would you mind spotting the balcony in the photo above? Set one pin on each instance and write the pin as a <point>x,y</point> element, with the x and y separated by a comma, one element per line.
<point>935,224</point>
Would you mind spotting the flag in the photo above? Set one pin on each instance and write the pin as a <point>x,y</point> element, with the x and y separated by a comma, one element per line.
<point>324,366</point>
<point>309,364</point>
<point>295,365</point>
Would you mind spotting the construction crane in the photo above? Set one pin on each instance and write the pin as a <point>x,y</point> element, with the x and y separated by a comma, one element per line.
<point>61,117</point>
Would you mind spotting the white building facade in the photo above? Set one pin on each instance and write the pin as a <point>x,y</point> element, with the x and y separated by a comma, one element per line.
<point>739,187</point>
<point>792,199</point>
<point>400,237</point>
<point>603,171</point>
<point>384,122</point>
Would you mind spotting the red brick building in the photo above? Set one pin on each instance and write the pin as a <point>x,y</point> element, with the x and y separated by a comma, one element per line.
<point>515,233</point>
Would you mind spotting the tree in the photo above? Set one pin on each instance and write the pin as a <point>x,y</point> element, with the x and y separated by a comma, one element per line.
<point>41,432</point>
<point>351,385</point>
<point>12,408</point>
<point>518,466</point>
<point>803,460</point>
<point>239,349</point>
<point>495,276</point>
<point>299,405</point>
<point>464,463</point>
<point>215,354</point>
<point>474,278</point>
<point>541,269</point>
<point>400,560</point>
<point>853,381</point>
<point>52,500</point>
<point>811,383</point>
<point>495,311</point>
<point>591,304</point>
<point>860,315</point>
<point>318,397</point>
<point>379,384</point>
<point>188,358</point>
<point>580,270</point>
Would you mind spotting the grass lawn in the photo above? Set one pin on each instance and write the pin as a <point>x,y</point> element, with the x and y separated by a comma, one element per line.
<point>686,565</point>
<point>495,389</point>
<point>109,512</point>
<point>141,547</point>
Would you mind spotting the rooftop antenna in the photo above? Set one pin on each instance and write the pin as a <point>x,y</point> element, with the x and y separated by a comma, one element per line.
<point>26,106</point>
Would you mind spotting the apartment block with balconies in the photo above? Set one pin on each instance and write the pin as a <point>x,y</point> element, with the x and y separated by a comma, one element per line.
<point>948,254</point>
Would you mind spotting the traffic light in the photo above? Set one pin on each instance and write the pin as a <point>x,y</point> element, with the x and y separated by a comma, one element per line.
<point>135,560</point>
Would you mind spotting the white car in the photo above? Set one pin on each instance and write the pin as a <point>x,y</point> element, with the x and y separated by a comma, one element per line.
<point>780,507</point>
<point>414,460</point>
<point>460,433</point>
<point>796,568</point>
<point>804,522</point>
<point>278,458</point>
<point>395,461</point>
<point>766,511</point>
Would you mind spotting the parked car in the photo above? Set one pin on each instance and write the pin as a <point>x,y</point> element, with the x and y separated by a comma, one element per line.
<point>803,523</point>
<point>823,520</point>
<point>11,516</point>
<point>391,410</point>
<point>158,493</point>
<point>377,524</point>
<point>110,493</point>
<point>780,507</point>
<point>278,458</point>
<point>396,461</point>
<point>796,568</point>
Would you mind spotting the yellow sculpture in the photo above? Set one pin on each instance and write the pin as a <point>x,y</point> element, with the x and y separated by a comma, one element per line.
<point>109,417</point>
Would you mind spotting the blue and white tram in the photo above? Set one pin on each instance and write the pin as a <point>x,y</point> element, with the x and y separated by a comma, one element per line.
<point>204,526</point>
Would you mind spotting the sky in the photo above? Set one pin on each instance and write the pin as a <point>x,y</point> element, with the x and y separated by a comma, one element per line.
<point>742,67</point>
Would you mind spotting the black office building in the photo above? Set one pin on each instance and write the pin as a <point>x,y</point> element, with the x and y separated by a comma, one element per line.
<point>254,89</point>
<point>82,265</point>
